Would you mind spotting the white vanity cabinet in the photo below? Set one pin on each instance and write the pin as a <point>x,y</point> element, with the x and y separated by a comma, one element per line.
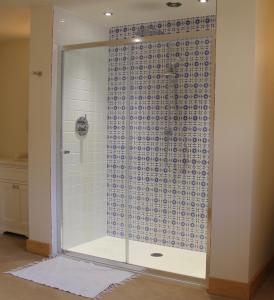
<point>13,197</point>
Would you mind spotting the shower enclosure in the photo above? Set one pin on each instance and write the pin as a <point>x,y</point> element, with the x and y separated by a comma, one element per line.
<point>136,136</point>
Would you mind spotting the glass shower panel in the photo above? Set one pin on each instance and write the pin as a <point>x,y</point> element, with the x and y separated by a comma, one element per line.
<point>88,141</point>
<point>169,137</point>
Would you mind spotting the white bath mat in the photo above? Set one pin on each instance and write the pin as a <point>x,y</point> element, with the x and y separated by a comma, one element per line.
<point>78,277</point>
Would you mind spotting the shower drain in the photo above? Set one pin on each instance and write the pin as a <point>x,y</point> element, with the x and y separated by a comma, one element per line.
<point>156,254</point>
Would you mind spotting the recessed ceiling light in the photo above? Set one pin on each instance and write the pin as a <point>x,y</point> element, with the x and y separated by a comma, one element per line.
<point>173,4</point>
<point>203,1</point>
<point>137,40</point>
<point>108,14</point>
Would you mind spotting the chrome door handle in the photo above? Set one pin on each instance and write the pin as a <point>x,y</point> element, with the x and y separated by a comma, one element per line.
<point>66,152</point>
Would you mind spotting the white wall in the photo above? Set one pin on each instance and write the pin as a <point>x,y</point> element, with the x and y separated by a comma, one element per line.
<point>233,140</point>
<point>14,97</point>
<point>85,92</point>
<point>40,125</point>
<point>243,190</point>
<point>70,29</point>
<point>262,225</point>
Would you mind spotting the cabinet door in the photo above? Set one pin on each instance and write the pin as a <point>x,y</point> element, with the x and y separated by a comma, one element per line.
<point>10,204</point>
<point>24,208</point>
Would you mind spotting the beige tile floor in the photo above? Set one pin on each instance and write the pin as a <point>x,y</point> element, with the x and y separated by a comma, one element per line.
<point>13,255</point>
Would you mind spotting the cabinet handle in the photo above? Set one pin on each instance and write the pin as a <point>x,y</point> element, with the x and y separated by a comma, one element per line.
<point>15,186</point>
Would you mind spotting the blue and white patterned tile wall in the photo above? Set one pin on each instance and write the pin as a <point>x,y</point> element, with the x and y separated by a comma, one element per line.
<point>159,136</point>
<point>167,27</point>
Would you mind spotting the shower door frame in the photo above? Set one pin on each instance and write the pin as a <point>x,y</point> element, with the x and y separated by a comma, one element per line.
<point>59,180</point>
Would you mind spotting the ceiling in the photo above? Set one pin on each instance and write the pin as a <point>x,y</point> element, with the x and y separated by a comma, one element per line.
<point>15,14</point>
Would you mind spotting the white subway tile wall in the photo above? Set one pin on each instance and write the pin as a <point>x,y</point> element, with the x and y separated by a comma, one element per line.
<point>85,168</point>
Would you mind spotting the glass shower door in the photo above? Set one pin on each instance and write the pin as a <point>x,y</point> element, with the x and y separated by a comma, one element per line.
<point>89,141</point>
<point>170,115</point>
<point>135,186</point>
